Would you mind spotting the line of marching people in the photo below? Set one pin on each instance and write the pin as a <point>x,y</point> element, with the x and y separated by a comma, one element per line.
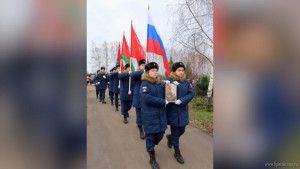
<point>144,90</point>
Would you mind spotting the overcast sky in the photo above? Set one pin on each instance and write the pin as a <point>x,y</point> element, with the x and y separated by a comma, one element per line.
<point>108,19</point>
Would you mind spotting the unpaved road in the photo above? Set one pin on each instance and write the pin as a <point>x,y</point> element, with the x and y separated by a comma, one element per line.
<point>111,144</point>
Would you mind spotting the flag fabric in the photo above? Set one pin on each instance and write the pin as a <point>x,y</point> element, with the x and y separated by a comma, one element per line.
<point>125,53</point>
<point>137,50</point>
<point>155,44</point>
<point>119,59</point>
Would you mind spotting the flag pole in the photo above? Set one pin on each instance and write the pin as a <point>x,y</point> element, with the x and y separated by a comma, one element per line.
<point>120,64</point>
<point>146,40</point>
<point>129,90</point>
<point>130,51</point>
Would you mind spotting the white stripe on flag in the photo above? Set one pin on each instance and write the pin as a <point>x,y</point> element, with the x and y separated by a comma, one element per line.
<point>150,22</point>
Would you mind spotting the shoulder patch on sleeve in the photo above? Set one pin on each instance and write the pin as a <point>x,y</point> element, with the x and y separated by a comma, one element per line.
<point>144,88</point>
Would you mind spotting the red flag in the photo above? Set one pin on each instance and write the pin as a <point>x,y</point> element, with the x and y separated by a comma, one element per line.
<point>137,50</point>
<point>125,53</point>
<point>119,59</point>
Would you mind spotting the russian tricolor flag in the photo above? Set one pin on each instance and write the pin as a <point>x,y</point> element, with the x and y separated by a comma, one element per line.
<point>155,45</point>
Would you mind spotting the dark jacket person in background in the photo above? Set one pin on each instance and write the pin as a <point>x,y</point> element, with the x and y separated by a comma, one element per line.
<point>136,78</point>
<point>125,96</point>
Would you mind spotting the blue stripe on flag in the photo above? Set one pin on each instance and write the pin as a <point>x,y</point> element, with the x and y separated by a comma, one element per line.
<point>152,34</point>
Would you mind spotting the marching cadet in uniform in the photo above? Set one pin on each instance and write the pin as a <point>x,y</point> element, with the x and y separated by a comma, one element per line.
<point>103,84</point>
<point>153,105</point>
<point>125,96</point>
<point>136,80</point>
<point>97,86</point>
<point>177,114</point>
<point>116,89</point>
<point>111,85</point>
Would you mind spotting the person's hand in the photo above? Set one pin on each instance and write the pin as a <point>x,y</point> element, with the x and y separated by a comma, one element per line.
<point>178,102</point>
<point>176,83</point>
<point>129,92</point>
<point>167,82</point>
<point>120,71</point>
<point>167,102</point>
<point>104,77</point>
<point>130,72</point>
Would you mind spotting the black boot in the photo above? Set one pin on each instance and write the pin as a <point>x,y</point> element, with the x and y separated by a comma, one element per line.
<point>127,114</point>
<point>117,109</point>
<point>100,100</point>
<point>152,161</point>
<point>142,135</point>
<point>103,101</point>
<point>125,119</point>
<point>178,156</point>
<point>112,103</point>
<point>169,140</point>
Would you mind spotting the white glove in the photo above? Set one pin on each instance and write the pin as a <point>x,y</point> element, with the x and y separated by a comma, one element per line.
<point>129,92</point>
<point>104,77</point>
<point>167,102</point>
<point>144,70</point>
<point>178,102</point>
<point>167,82</point>
<point>98,83</point>
<point>120,71</point>
<point>130,72</point>
<point>176,83</point>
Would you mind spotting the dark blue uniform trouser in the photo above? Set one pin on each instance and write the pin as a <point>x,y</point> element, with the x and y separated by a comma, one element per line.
<point>176,132</point>
<point>138,116</point>
<point>111,96</point>
<point>102,93</point>
<point>153,139</point>
<point>116,99</point>
<point>97,92</point>
<point>125,106</point>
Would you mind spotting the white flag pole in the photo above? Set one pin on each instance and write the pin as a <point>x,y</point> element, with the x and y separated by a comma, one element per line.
<point>146,39</point>
<point>129,90</point>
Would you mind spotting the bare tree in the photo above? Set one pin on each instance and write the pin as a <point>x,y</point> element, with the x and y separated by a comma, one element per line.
<point>95,56</point>
<point>113,53</point>
<point>193,31</point>
<point>105,53</point>
<point>193,28</point>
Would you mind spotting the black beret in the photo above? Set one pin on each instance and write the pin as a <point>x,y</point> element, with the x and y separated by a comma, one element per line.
<point>102,68</point>
<point>177,65</point>
<point>142,61</point>
<point>98,71</point>
<point>118,65</point>
<point>151,65</point>
<point>127,65</point>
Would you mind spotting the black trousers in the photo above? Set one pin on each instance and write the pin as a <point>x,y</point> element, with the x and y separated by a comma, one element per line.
<point>116,99</point>
<point>111,96</point>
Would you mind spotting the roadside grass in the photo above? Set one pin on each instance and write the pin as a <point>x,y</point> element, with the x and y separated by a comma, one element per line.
<point>200,115</point>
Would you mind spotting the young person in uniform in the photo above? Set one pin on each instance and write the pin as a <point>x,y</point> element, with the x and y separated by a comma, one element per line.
<point>116,89</point>
<point>153,105</point>
<point>97,84</point>
<point>103,84</point>
<point>177,113</point>
<point>125,95</point>
<point>111,85</point>
<point>137,81</point>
